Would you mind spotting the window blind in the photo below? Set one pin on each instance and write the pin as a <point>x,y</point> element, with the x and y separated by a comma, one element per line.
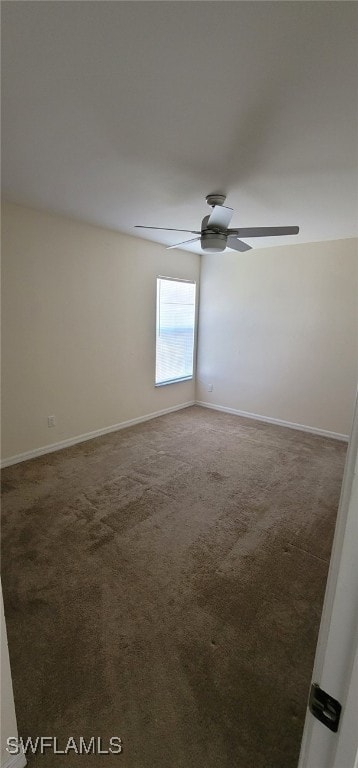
<point>175,328</point>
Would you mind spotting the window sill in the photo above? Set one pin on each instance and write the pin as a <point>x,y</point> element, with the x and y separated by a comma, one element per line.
<point>173,381</point>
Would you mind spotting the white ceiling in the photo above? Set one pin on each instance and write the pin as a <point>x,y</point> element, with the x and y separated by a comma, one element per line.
<point>124,113</point>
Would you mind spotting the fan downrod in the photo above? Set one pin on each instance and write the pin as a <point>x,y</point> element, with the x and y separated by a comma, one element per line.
<point>215,199</point>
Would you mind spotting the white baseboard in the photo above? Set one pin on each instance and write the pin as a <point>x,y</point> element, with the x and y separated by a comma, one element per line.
<point>278,422</point>
<point>131,422</point>
<point>89,436</point>
<point>15,761</point>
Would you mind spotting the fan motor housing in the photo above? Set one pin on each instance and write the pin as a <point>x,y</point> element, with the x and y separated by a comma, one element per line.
<point>213,242</point>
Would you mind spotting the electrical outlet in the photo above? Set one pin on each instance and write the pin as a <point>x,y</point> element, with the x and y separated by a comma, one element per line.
<point>51,421</point>
<point>210,387</point>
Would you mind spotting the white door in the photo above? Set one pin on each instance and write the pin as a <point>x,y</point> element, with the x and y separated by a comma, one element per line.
<point>335,667</point>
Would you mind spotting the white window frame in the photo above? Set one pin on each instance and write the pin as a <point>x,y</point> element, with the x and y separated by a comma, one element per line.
<point>182,378</point>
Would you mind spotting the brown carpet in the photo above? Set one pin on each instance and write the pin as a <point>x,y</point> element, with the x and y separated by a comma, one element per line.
<point>164,584</point>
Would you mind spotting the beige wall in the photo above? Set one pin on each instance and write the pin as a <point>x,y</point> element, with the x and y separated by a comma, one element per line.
<point>8,717</point>
<point>278,332</point>
<point>78,336</point>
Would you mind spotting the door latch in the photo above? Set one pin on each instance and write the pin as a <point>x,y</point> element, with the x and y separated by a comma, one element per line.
<point>324,707</point>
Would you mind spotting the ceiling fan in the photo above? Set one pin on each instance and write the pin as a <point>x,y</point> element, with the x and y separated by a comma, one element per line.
<point>215,235</point>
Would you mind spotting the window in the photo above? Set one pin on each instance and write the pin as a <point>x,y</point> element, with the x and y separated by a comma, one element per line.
<point>174,330</point>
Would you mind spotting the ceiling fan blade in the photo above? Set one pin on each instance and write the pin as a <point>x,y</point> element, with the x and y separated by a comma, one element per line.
<point>169,229</point>
<point>186,242</point>
<point>264,231</point>
<point>220,217</point>
<point>238,245</point>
